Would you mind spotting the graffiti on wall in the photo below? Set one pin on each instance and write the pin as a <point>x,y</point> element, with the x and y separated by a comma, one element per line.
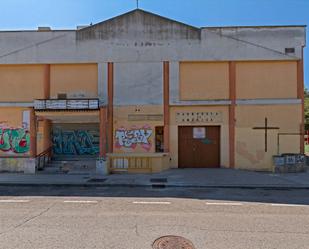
<point>130,138</point>
<point>75,142</point>
<point>15,140</point>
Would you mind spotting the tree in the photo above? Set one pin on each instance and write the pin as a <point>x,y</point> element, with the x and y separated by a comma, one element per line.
<point>306,109</point>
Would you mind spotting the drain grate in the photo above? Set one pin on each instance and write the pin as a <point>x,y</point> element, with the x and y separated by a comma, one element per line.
<point>160,180</point>
<point>97,180</point>
<point>158,186</point>
<point>172,242</point>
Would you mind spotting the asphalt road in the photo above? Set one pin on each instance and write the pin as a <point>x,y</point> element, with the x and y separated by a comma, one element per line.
<point>132,218</point>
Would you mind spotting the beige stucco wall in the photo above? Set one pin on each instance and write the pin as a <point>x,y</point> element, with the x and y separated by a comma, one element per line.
<point>121,122</point>
<point>76,80</point>
<point>21,83</point>
<point>224,129</point>
<point>250,143</point>
<point>258,80</point>
<point>204,80</point>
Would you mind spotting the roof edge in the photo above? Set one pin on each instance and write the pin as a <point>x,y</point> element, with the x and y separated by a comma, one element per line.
<point>143,11</point>
<point>35,30</point>
<point>257,26</point>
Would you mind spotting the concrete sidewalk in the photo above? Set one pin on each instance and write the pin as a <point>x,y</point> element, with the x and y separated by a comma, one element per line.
<point>200,178</point>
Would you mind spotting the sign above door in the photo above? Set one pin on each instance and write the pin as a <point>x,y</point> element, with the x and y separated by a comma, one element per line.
<point>198,117</point>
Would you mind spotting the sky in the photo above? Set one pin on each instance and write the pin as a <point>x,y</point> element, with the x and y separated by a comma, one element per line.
<point>67,14</point>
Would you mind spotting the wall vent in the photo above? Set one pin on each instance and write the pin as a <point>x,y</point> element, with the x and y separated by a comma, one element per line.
<point>289,50</point>
<point>62,96</point>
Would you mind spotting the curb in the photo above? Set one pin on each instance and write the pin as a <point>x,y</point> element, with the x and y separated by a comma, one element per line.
<point>154,186</point>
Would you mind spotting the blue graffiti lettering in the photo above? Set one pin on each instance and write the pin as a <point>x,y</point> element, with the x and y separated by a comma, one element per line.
<point>75,142</point>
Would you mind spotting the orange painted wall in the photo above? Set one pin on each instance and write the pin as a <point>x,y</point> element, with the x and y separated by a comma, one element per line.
<point>250,143</point>
<point>43,136</point>
<point>204,80</point>
<point>258,80</point>
<point>21,83</point>
<point>76,80</point>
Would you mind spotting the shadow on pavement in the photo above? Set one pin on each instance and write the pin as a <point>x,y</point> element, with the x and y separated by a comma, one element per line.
<point>217,194</point>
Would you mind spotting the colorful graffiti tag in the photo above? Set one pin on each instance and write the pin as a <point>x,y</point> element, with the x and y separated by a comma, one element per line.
<point>130,138</point>
<point>75,142</point>
<point>15,140</point>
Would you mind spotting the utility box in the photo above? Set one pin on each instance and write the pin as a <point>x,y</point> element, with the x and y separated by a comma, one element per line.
<point>102,167</point>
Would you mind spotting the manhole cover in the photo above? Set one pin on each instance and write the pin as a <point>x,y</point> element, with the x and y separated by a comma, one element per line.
<point>172,242</point>
<point>159,186</point>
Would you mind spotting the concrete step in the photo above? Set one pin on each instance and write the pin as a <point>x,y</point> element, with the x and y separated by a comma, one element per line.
<point>70,167</point>
<point>51,170</point>
<point>73,158</point>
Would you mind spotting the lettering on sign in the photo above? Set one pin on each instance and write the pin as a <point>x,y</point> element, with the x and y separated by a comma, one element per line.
<point>199,132</point>
<point>198,117</point>
<point>130,138</point>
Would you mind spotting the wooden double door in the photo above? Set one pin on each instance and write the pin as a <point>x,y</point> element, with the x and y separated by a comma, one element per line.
<point>199,146</point>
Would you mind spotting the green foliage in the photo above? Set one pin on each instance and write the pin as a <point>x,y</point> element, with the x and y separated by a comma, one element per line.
<point>307,148</point>
<point>306,109</point>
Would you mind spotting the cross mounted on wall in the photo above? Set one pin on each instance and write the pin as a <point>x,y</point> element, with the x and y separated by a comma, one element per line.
<point>266,128</point>
<point>137,4</point>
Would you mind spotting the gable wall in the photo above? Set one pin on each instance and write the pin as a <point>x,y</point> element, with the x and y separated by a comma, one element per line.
<point>139,23</point>
<point>146,38</point>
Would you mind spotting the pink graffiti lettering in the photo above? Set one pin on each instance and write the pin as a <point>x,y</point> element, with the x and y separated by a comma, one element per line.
<point>130,138</point>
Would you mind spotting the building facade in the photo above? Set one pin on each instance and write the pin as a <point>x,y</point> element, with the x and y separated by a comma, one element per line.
<point>150,93</point>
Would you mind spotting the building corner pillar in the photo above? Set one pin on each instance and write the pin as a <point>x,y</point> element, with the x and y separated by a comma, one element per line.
<point>301,96</point>
<point>110,106</point>
<point>232,107</point>
<point>166,110</point>
<point>33,134</point>
<point>103,129</point>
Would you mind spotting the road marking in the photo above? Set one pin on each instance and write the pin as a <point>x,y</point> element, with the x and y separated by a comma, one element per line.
<point>287,205</point>
<point>249,204</point>
<point>14,201</point>
<point>224,203</point>
<point>80,201</point>
<point>152,202</point>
